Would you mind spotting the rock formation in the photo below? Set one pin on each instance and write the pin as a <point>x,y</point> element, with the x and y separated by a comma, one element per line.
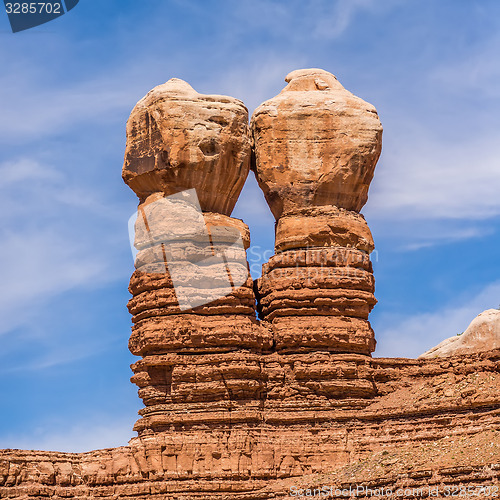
<point>433,423</point>
<point>316,146</point>
<point>481,335</point>
<point>187,158</point>
<point>178,139</point>
<point>240,408</point>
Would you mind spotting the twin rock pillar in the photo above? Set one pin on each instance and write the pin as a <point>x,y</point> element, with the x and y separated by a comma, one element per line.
<point>193,305</point>
<point>316,146</point>
<point>206,359</point>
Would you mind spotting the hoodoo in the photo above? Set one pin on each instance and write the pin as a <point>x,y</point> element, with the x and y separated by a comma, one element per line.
<point>193,305</point>
<point>291,404</point>
<point>316,147</point>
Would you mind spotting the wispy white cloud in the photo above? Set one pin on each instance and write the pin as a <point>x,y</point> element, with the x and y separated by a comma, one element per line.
<point>55,109</point>
<point>25,170</point>
<point>38,265</point>
<point>254,81</point>
<point>441,236</point>
<point>410,336</point>
<point>423,178</point>
<point>46,250</point>
<point>440,158</point>
<point>39,100</point>
<point>406,235</point>
<point>97,431</point>
<point>476,73</point>
<point>295,20</point>
<point>336,17</point>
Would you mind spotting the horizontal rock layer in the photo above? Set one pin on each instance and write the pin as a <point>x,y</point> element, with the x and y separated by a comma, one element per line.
<point>318,299</point>
<point>323,227</point>
<point>192,307</point>
<point>446,410</point>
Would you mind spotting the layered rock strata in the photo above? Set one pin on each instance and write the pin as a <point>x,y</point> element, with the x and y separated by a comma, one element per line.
<point>237,408</point>
<point>432,422</point>
<point>316,147</point>
<point>187,159</point>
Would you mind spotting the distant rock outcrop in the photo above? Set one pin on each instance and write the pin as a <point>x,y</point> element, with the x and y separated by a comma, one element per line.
<point>483,334</point>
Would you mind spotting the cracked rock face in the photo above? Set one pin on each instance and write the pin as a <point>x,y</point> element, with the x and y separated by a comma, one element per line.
<point>316,144</point>
<point>178,139</point>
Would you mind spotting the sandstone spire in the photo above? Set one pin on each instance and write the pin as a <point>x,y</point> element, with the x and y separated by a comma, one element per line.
<point>316,146</point>
<point>187,158</point>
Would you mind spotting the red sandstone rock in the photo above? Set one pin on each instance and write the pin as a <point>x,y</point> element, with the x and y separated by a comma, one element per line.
<point>241,409</point>
<point>187,158</point>
<point>407,434</point>
<point>316,146</point>
<point>324,226</point>
<point>178,139</point>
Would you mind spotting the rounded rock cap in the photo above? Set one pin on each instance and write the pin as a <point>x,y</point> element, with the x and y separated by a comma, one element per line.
<point>179,139</point>
<point>311,79</point>
<point>175,86</point>
<point>316,145</point>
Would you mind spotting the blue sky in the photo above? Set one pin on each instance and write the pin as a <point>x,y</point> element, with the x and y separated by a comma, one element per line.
<point>66,89</point>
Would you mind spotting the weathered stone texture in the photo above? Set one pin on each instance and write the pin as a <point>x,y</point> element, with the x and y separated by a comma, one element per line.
<point>316,147</point>
<point>179,139</point>
<point>431,422</point>
<point>481,335</point>
<point>241,408</point>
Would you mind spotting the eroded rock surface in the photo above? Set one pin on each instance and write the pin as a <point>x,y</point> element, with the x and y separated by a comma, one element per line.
<point>236,408</point>
<point>187,159</point>
<point>178,139</point>
<point>316,147</point>
<point>432,422</point>
<point>483,334</point>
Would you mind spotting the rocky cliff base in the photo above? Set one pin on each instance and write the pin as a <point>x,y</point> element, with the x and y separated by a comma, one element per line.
<point>433,423</point>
